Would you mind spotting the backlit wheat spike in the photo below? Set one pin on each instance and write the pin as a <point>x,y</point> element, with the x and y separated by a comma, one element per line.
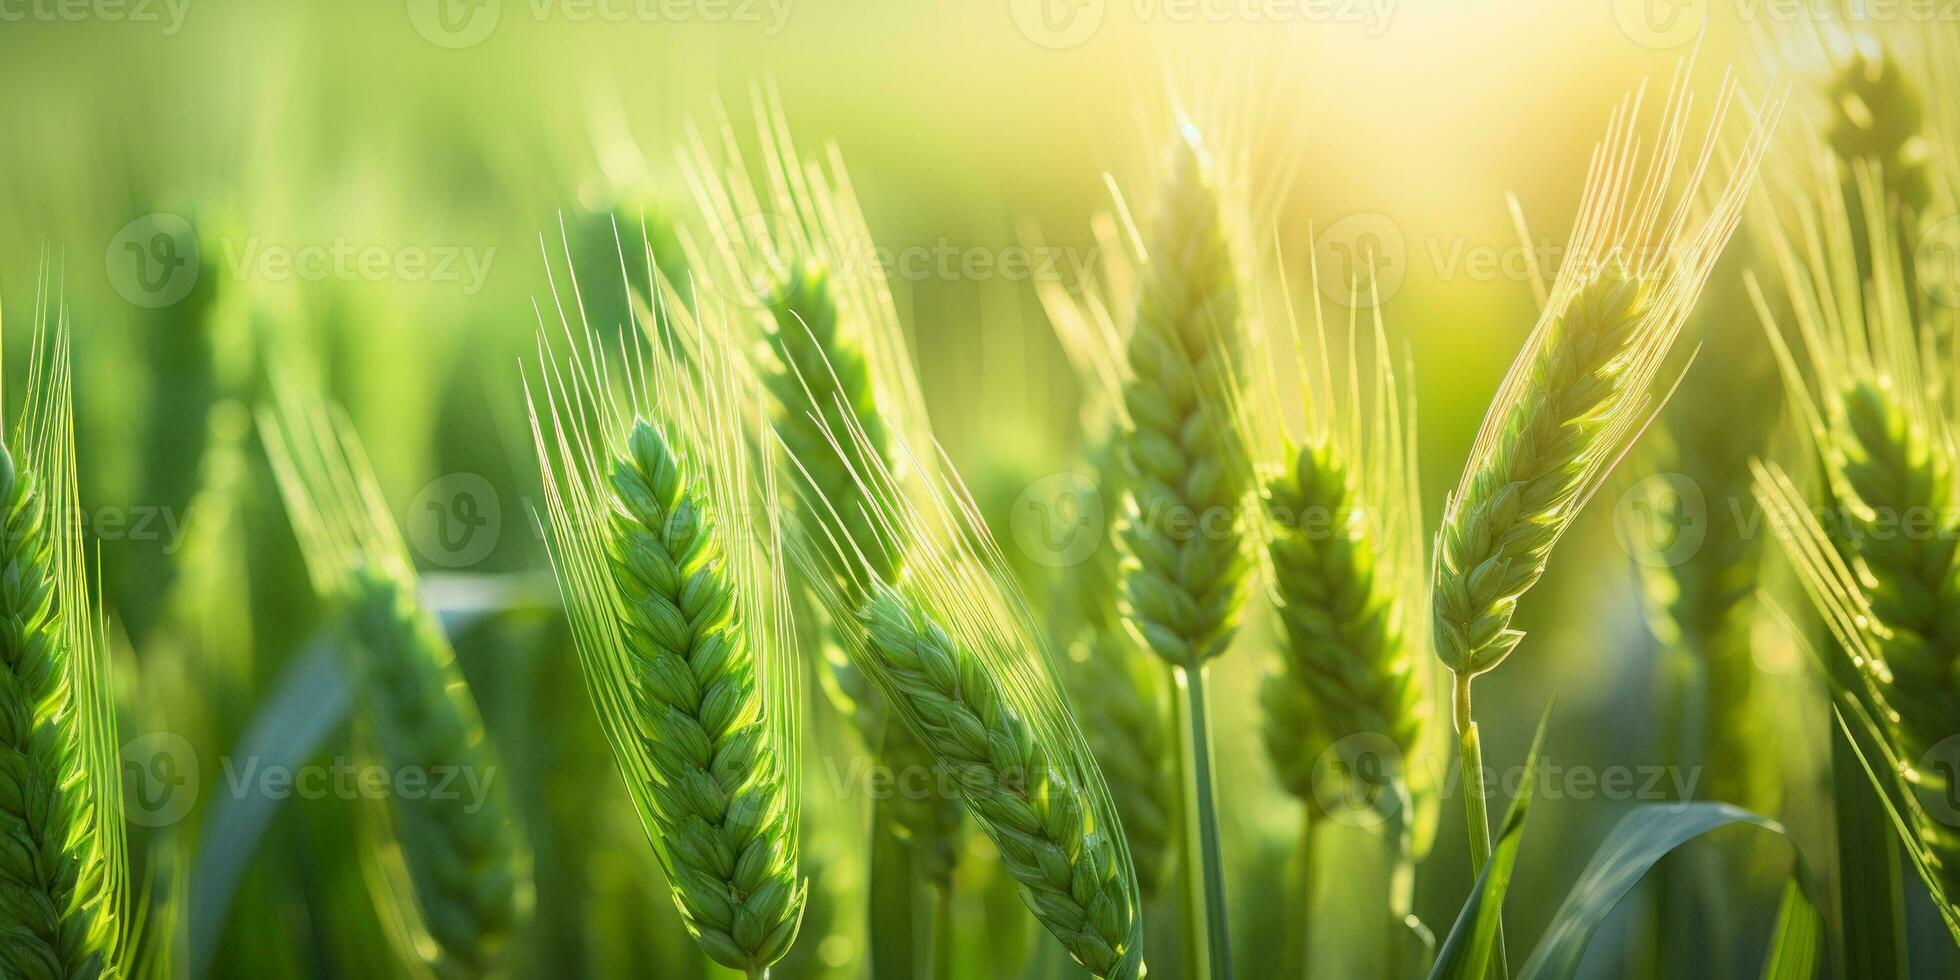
<point>452,873</point>
<point>788,242</point>
<point>1342,527</point>
<point>64,891</point>
<point>1875,397</point>
<point>663,534</point>
<point>1186,471</point>
<point>953,648</point>
<point>1583,387</point>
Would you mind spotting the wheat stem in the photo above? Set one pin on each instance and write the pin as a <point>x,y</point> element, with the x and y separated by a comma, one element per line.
<point>1205,813</point>
<point>1185,464</point>
<point>1476,805</point>
<point>1190,890</point>
<point>1299,950</point>
<point>943,965</point>
<point>893,894</point>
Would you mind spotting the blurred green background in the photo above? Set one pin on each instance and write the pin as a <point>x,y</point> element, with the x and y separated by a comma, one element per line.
<point>330,132</point>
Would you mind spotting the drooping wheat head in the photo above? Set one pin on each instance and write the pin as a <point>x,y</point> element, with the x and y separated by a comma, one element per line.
<point>667,550</point>
<point>1581,390</point>
<point>793,247</point>
<point>952,647</point>
<point>64,891</point>
<point>1876,400</point>
<point>450,871</point>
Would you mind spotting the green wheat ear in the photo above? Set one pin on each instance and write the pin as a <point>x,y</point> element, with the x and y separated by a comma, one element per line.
<point>64,892</point>
<point>1075,875</point>
<point>1186,471</point>
<point>663,535</point>
<point>451,874</point>
<point>1581,390</point>
<point>953,650</point>
<point>831,358</point>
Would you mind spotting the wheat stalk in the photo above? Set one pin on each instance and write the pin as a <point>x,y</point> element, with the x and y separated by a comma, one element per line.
<point>453,873</point>
<point>953,649</point>
<point>1341,528</point>
<point>680,619</point>
<point>1182,461</point>
<point>817,376</point>
<point>794,244</point>
<point>1874,399</point>
<point>64,895</point>
<point>1580,392</point>
<point>1048,831</point>
<point>1186,472</point>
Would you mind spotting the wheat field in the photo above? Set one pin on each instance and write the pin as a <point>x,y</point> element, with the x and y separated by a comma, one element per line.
<point>1034,489</point>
